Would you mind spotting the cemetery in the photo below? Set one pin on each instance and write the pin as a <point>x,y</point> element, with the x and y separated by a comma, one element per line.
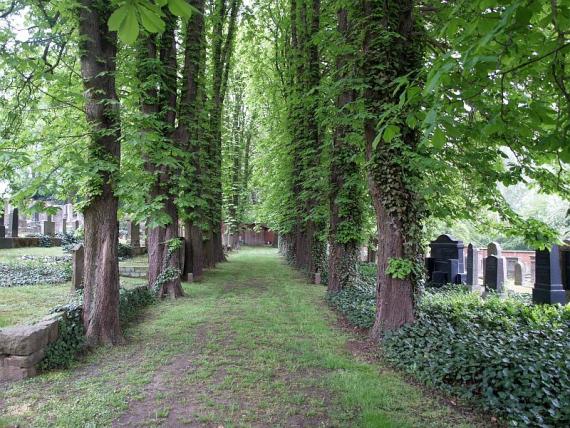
<point>284,213</point>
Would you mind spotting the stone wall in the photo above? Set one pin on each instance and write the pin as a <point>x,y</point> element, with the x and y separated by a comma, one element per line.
<point>8,243</point>
<point>133,271</point>
<point>23,347</point>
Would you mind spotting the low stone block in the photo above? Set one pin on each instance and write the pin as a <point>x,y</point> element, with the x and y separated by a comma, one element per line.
<point>16,373</point>
<point>27,339</point>
<point>24,361</point>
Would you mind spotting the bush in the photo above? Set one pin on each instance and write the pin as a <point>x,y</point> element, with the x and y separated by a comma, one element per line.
<point>132,300</point>
<point>71,339</point>
<point>511,356</point>
<point>68,241</point>
<point>125,251</point>
<point>357,305</point>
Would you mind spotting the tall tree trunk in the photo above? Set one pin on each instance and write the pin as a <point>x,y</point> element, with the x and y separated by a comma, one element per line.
<point>188,137</point>
<point>159,103</point>
<point>345,175</point>
<point>392,48</point>
<point>101,274</point>
<point>222,53</point>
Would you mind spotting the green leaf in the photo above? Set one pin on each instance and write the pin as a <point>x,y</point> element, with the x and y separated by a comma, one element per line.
<point>129,30</point>
<point>117,18</point>
<point>180,8</point>
<point>151,21</point>
<point>390,132</point>
<point>438,139</point>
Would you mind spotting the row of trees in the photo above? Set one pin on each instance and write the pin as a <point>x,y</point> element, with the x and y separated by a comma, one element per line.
<point>350,121</point>
<point>125,103</point>
<point>427,104</point>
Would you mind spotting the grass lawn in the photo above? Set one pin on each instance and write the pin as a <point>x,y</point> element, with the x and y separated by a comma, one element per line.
<point>251,345</point>
<point>13,254</point>
<point>20,305</point>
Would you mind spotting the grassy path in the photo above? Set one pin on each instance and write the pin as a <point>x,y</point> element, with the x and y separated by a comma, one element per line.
<point>252,345</point>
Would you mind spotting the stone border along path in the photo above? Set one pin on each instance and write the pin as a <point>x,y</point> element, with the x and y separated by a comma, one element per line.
<point>251,345</point>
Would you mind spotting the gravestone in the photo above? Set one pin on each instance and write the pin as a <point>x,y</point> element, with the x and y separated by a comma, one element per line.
<point>134,234</point>
<point>511,262</point>
<point>48,226</point>
<point>494,249</point>
<point>78,257</point>
<point>445,264</point>
<point>519,273</point>
<point>2,227</point>
<point>15,223</point>
<point>494,275</point>
<point>548,287</point>
<point>565,253</point>
<point>472,266</point>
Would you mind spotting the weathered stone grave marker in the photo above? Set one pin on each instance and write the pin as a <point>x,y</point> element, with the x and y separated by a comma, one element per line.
<point>472,266</point>
<point>134,234</point>
<point>48,226</point>
<point>519,273</point>
<point>2,227</point>
<point>548,287</point>
<point>78,258</point>
<point>445,264</point>
<point>15,222</point>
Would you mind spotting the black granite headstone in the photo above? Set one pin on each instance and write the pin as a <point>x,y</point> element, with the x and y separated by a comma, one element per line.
<point>548,278</point>
<point>15,223</point>
<point>494,273</point>
<point>445,264</point>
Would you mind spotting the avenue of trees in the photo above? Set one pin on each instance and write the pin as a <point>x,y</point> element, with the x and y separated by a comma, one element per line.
<point>338,123</point>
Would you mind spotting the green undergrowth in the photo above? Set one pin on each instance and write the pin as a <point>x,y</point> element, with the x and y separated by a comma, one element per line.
<point>506,354</point>
<point>251,345</point>
<point>71,340</point>
<point>510,356</point>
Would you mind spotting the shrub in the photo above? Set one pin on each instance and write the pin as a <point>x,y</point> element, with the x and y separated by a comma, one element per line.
<point>511,356</point>
<point>68,241</point>
<point>71,339</point>
<point>125,251</point>
<point>132,300</point>
<point>358,303</point>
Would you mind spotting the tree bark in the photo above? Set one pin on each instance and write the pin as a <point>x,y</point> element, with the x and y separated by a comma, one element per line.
<point>159,103</point>
<point>101,274</point>
<point>392,48</point>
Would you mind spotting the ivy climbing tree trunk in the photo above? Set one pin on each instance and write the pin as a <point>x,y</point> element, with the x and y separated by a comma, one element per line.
<point>158,72</point>
<point>346,195</point>
<point>188,134</point>
<point>101,274</point>
<point>222,55</point>
<point>392,48</point>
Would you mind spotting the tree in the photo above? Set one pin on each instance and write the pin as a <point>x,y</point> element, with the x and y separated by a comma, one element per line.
<point>393,48</point>
<point>346,195</point>
<point>101,274</point>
